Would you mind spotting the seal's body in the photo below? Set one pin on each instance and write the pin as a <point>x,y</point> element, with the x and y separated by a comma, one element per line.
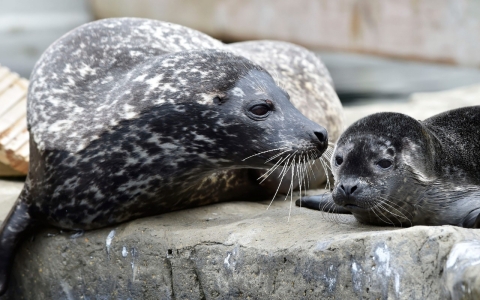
<point>130,118</point>
<point>392,169</point>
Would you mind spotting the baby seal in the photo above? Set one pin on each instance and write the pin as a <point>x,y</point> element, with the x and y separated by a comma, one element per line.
<point>131,118</point>
<point>390,169</point>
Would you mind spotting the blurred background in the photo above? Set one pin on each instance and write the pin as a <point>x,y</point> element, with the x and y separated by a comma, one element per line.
<point>376,50</point>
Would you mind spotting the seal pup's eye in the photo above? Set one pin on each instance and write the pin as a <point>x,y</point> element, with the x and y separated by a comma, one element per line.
<point>384,163</point>
<point>338,160</point>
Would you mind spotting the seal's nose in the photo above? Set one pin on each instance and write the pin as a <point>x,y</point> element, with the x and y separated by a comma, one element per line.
<point>322,137</point>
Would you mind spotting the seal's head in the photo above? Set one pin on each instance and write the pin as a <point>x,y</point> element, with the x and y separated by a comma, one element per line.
<point>225,108</point>
<point>381,166</point>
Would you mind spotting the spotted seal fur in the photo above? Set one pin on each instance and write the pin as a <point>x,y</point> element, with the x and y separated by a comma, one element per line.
<point>130,118</point>
<point>391,169</point>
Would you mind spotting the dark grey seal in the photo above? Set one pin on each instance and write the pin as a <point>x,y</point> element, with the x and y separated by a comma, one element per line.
<point>131,118</point>
<point>390,169</point>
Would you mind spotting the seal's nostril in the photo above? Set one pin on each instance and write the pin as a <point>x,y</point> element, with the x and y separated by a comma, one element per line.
<point>353,189</point>
<point>341,186</point>
<point>321,136</point>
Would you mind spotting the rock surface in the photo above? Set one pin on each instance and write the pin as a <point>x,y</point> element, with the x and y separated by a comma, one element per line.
<point>462,269</point>
<point>238,250</point>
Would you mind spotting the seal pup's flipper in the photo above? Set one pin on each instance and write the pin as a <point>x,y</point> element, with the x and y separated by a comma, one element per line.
<point>12,232</point>
<point>322,202</point>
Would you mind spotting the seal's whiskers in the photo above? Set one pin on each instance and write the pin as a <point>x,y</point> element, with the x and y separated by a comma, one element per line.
<point>280,183</point>
<point>276,155</point>
<point>281,148</point>
<point>272,169</point>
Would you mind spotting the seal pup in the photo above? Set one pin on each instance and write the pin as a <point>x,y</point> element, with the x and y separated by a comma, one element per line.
<point>131,118</point>
<point>391,169</point>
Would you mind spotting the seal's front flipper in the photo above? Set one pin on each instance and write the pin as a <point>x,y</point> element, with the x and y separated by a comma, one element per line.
<point>12,231</point>
<point>322,202</point>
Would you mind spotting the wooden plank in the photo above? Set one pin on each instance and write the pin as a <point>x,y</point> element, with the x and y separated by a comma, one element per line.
<point>8,81</point>
<point>17,142</point>
<point>10,98</point>
<point>7,171</point>
<point>16,162</point>
<point>13,114</point>
<point>24,151</point>
<point>3,72</point>
<point>3,156</point>
<point>17,128</point>
<point>14,137</point>
<point>23,83</point>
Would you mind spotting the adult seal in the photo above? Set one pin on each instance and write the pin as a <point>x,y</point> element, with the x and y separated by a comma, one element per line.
<point>391,169</point>
<point>130,118</point>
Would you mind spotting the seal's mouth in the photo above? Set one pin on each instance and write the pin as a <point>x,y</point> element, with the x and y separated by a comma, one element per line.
<point>354,208</point>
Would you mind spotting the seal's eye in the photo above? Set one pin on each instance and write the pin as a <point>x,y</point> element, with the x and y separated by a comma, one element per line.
<point>338,160</point>
<point>384,163</point>
<point>260,109</point>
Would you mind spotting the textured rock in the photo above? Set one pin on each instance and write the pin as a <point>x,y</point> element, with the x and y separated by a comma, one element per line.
<point>238,250</point>
<point>462,270</point>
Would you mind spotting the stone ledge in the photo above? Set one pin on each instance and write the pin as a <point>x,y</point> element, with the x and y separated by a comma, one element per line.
<point>238,250</point>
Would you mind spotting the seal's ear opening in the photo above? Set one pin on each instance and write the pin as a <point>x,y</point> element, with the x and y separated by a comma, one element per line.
<point>219,99</point>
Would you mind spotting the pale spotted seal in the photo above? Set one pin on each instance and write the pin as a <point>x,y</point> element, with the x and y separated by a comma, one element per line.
<point>390,169</point>
<point>131,117</point>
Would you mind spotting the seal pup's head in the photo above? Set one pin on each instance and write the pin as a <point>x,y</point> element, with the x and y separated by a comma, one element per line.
<point>382,164</point>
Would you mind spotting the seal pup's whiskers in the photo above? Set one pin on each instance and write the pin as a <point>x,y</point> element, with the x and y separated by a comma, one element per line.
<point>373,209</point>
<point>399,208</point>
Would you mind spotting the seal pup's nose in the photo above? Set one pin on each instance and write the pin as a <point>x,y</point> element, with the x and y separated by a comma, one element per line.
<point>348,189</point>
